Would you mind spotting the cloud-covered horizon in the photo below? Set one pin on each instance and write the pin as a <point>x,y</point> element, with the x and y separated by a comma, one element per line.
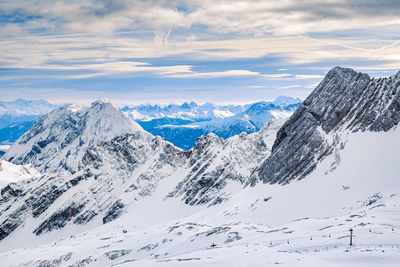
<point>185,49</point>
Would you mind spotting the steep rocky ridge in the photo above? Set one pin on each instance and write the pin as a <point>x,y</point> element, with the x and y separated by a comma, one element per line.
<point>97,163</point>
<point>219,168</point>
<point>58,140</point>
<point>344,101</point>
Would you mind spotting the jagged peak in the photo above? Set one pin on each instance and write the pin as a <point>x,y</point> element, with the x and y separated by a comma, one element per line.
<point>396,75</point>
<point>206,140</point>
<point>344,72</point>
<point>102,101</point>
<point>73,107</point>
<point>64,134</point>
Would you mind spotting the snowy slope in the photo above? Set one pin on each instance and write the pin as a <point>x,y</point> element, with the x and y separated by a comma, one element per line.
<point>95,177</point>
<point>66,132</point>
<point>304,223</point>
<point>10,173</point>
<point>126,202</point>
<point>118,175</point>
<point>344,100</point>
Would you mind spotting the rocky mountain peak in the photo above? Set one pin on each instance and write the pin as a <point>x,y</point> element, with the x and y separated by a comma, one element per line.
<point>59,139</point>
<point>344,100</point>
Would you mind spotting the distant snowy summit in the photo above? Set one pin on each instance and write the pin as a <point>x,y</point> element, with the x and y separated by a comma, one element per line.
<point>18,116</point>
<point>105,188</point>
<point>183,124</point>
<point>22,110</point>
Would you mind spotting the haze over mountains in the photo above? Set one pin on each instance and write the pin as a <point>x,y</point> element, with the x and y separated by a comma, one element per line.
<point>111,193</point>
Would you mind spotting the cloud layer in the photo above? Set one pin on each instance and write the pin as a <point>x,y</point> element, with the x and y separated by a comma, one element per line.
<point>43,39</point>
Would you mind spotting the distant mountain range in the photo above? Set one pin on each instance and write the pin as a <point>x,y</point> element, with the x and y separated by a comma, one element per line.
<point>18,116</point>
<point>87,186</point>
<point>181,125</point>
<point>21,110</point>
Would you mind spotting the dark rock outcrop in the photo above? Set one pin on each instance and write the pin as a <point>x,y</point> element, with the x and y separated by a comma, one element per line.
<point>59,219</point>
<point>344,100</point>
<point>114,212</point>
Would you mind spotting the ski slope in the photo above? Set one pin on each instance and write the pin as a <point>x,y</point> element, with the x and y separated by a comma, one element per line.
<point>304,223</point>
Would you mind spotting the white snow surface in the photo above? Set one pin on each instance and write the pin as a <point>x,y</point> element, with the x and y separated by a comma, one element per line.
<point>10,173</point>
<point>304,223</point>
<point>25,107</point>
<point>4,147</point>
<point>207,111</point>
<point>186,111</point>
<point>59,140</point>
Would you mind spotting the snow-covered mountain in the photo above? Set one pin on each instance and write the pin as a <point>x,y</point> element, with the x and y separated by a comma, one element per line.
<point>183,127</point>
<point>18,116</point>
<point>10,174</point>
<point>97,163</point>
<point>219,168</point>
<point>59,139</point>
<point>187,111</point>
<point>11,133</point>
<point>22,110</point>
<point>179,124</point>
<point>135,199</point>
<point>344,101</point>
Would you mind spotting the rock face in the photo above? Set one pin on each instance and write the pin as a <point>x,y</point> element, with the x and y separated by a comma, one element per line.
<point>215,163</point>
<point>344,100</point>
<point>106,161</point>
<point>56,142</point>
<point>97,164</point>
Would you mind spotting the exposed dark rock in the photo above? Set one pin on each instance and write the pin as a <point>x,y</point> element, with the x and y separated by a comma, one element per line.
<point>79,178</point>
<point>81,263</point>
<point>51,263</point>
<point>345,99</point>
<point>14,220</point>
<point>59,219</point>
<point>215,162</point>
<point>148,247</point>
<point>112,255</point>
<point>11,190</point>
<point>85,217</point>
<point>114,212</point>
<point>44,200</point>
<point>232,236</point>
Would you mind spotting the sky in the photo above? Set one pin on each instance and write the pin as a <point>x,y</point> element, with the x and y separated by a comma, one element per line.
<point>168,51</point>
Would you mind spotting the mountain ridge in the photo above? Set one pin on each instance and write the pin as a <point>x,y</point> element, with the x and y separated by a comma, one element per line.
<point>135,192</point>
<point>344,100</point>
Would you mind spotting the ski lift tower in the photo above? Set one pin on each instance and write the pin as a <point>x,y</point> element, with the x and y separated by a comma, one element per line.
<point>351,237</point>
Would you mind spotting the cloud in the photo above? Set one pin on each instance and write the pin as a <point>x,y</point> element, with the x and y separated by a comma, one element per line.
<point>228,73</point>
<point>85,39</point>
<point>290,86</point>
<point>279,75</point>
<point>249,18</point>
<point>308,76</point>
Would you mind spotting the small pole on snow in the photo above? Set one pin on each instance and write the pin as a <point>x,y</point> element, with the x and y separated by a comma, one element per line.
<point>351,237</point>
